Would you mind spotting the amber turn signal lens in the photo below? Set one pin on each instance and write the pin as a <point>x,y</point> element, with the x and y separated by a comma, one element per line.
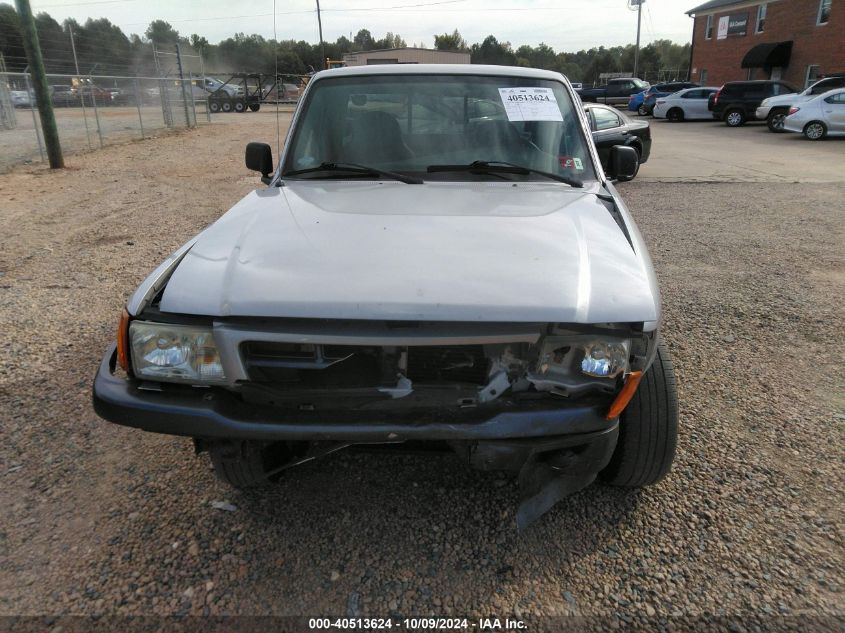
<point>123,341</point>
<point>624,397</point>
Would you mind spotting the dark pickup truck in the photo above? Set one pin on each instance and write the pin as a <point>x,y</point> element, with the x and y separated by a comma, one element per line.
<point>616,92</point>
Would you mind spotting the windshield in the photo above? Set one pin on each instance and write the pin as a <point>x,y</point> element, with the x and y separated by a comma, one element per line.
<point>408,123</point>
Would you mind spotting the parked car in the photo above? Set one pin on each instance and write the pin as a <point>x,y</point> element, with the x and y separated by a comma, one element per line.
<point>821,116</point>
<point>685,105</point>
<point>775,109</point>
<point>470,280</point>
<point>611,128</point>
<point>90,93</point>
<point>643,102</point>
<point>616,92</point>
<point>737,101</point>
<point>22,98</point>
<point>64,96</point>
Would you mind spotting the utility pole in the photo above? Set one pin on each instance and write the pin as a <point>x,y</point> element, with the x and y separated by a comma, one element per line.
<point>322,46</point>
<point>39,81</point>
<point>182,83</point>
<point>76,63</point>
<point>637,49</point>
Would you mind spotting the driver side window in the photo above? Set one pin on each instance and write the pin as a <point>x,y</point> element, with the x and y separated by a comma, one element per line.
<point>605,119</point>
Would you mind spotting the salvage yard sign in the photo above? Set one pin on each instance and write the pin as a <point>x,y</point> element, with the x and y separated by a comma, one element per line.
<point>732,25</point>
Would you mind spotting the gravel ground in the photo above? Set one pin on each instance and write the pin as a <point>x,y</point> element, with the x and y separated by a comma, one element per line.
<point>100,519</point>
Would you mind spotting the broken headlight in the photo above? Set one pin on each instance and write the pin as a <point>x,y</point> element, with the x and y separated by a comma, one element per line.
<point>174,353</point>
<point>605,359</point>
<point>573,356</point>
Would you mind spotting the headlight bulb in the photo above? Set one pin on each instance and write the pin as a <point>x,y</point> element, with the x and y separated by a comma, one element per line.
<point>605,359</point>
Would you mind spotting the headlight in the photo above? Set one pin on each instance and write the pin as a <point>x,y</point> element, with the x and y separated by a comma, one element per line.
<point>605,359</point>
<point>174,353</point>
<point>564,356</point>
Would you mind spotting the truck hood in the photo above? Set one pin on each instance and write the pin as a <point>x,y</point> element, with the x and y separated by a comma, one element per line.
<point>489,251</point>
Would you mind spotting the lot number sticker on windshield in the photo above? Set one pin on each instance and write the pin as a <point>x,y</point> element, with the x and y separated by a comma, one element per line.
<point>530,104</point>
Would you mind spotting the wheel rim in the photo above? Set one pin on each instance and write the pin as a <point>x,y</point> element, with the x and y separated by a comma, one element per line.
<point>777,121</point>
<point>214,106</point>
<point>239,106</point>
<point>642,111</point>
<point>815,131</point>
<point>734,118</point>
<point>227,107</point>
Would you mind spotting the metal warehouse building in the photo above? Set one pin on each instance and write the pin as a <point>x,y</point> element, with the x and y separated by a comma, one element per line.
<point>798,41</point>
<point>405,56</point>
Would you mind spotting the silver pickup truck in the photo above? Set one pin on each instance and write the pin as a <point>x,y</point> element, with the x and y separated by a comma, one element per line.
<point>438,258</point>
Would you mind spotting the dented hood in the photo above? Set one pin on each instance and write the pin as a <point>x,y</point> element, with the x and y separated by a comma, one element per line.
<point>489,251</point>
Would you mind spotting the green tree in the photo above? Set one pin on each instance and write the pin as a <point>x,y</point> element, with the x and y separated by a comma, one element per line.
<point>198,43</point>
<point>11,42</point>
<point>491,51</point>
<point>453,41</point>
<point>363,41</point>
<point>160,33</point>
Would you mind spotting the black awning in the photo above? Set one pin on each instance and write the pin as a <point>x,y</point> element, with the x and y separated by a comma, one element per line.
<point>768,55</point>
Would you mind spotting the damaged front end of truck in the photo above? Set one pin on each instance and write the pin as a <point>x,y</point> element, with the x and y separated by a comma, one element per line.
<point>539,400</point>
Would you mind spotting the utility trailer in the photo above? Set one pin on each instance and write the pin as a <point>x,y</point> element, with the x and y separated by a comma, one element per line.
<point>247,91</point>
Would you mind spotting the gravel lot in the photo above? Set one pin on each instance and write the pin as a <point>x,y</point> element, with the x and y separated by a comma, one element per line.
<point>100,519</point>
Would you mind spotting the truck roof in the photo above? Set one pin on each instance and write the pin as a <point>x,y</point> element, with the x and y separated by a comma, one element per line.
<point>439,69</point>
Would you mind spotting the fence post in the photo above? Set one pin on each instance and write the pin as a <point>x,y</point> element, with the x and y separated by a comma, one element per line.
<point>138,104</point>
<point>96,111</point>
<point>182,85</point>
<point>76,64</point>
<point>193,101</point>
<point>32,49</point>
<point>34,120</point>
<point>202,70</point>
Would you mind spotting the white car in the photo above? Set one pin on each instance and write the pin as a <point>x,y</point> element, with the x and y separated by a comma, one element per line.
<point>775,109</point>
<point>687,104</point>
<point>819,117</point>
<point>22,98</point>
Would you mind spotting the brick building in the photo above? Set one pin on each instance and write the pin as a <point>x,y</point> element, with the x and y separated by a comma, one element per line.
<point>798,41</point>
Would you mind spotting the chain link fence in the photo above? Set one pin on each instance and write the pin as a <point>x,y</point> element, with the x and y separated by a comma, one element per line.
<point>95,110</point>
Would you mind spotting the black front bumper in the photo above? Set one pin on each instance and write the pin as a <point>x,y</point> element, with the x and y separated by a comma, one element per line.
<point>216,413</point>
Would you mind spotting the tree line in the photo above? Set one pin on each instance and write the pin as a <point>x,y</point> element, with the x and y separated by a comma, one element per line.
<point>103,48</point>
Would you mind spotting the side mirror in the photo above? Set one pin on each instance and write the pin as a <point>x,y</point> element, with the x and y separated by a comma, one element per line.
<point>259,157</point>
<point>624,163</point>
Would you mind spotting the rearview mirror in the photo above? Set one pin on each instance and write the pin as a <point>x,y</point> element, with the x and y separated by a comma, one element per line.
<point>259,157</point>
<point>624,163</point>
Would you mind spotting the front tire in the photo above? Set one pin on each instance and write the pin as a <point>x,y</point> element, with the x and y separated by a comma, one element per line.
<point>775,120</point>
<point>248,464</point>
<point>642,110</point>
<point>815,130</point>
<point>734,118</point>
<point>648,428</point>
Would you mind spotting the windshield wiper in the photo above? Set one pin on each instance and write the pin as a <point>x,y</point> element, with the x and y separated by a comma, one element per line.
<point>501,167</point>
<point>355,168</point>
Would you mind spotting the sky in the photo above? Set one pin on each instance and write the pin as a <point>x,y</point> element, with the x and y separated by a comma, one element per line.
<point>565,25</point>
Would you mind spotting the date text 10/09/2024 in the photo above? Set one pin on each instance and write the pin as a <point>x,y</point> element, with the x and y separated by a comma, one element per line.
<point>416,624</point>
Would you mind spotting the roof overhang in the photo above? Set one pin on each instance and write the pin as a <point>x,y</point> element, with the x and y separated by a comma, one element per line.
<point>769,55</point>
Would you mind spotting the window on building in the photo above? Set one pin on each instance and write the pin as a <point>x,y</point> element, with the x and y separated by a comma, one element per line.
<point>702,77</point>
<point>761,18</point>
<point>708,28</point>
<point>824,11</point>
<point>812,75</point>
